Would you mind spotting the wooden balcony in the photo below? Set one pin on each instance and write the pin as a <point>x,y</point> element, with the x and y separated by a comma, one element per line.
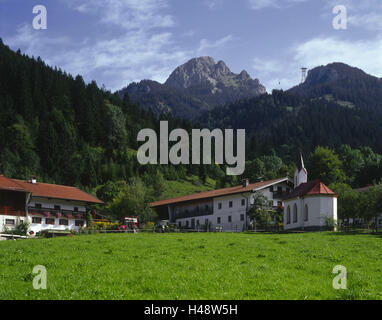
<point>11,211</point>
<point>48,212</point>
<point>193,213</point>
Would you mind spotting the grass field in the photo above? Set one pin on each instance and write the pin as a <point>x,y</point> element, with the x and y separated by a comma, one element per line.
<point>193,266</point>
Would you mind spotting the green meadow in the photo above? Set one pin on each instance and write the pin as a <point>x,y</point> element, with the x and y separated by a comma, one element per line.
<point>193,266</point>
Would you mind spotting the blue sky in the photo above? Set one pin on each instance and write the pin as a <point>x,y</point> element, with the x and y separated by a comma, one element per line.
<point>116,42</point>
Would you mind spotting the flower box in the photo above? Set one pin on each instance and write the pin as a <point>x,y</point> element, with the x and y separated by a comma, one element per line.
<point>46,214</point>
<point>69,216</point>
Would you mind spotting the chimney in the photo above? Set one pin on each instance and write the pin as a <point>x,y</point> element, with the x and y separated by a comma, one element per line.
<point>245,183</point>
<point>33,180</point>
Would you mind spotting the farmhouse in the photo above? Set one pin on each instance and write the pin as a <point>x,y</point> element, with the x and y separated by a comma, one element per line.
<point>226,208</point>
<point>44,206</point>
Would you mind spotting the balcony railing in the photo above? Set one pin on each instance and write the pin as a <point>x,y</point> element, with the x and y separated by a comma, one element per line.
<point>11,211</point>
<point>48,212</point>
<point>193,213</point>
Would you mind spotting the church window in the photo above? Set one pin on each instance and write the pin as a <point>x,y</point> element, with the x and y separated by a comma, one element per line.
<point>288,215</point>
<point>294,213</point>
<point>306,213</point>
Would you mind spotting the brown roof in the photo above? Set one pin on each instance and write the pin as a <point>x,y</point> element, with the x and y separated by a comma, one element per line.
<point>47,190</point>
<point>218,192</point>
<point>313,187</point>
<point>9,185</point>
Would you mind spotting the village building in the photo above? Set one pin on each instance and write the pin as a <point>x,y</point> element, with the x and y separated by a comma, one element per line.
<point>305,204</point>
<point>223,208</point>
<point>311,205</point>
<point>44,206</point>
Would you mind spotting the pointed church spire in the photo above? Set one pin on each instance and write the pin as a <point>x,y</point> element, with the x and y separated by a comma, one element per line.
<point>301,174</point>
<point>301,164</point>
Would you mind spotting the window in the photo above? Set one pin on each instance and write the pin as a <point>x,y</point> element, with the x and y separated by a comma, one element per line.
<point>271,188</point>
<point>75,209</point>
<point>242,217</point>
<point>229,218</point>
<point>187,223</point>
<point>38,205</point>
<point>10,222</point>
<point>56,207</point>
<point>279,190</point>
<point>219,220</point>
<point>206,221</point>
<point>287,190</point>
<point>288,215</point>
<point>206,207</point>
<point>219,205</point>
<point>294,213</point>
<point>306,213</point>
<point>197,208</point>
<point>197,222</point>
<point>243,202</point>
<point>49,221</point>
<point>180,224</point>
<point>79,223</point>
<point>36,220</point>
<point>63,222</point>
<point>230,204</point>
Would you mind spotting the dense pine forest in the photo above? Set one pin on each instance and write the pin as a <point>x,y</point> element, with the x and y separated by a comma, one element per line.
<point>63,130</point>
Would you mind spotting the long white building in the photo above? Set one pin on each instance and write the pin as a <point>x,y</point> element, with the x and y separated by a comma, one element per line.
<point>226,208</point>
<point>44,206</point>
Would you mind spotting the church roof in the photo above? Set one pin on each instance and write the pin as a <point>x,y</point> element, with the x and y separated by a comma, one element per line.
<point>314,187</point>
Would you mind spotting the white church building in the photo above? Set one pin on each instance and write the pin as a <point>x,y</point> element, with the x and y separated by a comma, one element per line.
<point>311,205</point>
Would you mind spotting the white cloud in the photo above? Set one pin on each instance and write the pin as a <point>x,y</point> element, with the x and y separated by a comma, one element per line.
<point>128,14</point>
<point>364,54</point>
<point>261,4</point>
<point>207,44</point>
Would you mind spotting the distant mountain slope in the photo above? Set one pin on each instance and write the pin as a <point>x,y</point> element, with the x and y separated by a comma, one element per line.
<point>341,82</point>
<point>284,121</point>
<point>196,86</point>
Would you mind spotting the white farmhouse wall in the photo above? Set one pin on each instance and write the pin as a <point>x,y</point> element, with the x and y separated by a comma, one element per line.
<point>238,220</point>
<point>37,227</point>
<point>4,218</point>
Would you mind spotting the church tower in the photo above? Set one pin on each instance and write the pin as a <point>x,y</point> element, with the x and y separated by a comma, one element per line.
<point>301,174</point>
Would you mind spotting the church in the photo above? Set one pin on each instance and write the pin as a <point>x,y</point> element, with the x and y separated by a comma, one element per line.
<point>311,205</point>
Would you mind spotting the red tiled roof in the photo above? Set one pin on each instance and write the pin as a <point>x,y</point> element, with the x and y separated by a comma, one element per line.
<point>9,185</point>
<point>309,188</point>
<point>218,192</point>
<point>46,190</point>
<point>55,191</point>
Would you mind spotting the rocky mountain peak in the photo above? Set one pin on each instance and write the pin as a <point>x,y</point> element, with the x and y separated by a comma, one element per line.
<point>204,70</point>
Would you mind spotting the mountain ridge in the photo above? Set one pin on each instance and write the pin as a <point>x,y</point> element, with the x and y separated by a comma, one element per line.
<point>198,85</point>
